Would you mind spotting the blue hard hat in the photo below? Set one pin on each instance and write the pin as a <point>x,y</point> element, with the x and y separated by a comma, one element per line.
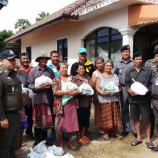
<point>82,50</point>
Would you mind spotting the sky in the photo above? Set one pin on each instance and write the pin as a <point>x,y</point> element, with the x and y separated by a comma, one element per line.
<point>27,9</point>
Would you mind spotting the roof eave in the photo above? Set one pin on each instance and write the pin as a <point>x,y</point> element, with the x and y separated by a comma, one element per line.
<point>47,24</point>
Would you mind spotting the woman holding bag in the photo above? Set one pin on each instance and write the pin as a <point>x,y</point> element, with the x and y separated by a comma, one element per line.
<point>84,103</point>
<point>109,102</point>
<point>65,105</point>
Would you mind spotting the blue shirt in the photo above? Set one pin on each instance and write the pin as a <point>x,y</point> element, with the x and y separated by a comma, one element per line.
<point>56,72</point>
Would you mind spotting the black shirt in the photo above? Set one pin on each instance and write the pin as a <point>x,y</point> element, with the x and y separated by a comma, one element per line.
<point>144,76</point>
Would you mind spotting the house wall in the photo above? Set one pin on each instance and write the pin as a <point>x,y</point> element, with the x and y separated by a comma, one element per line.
<point>74,31</point>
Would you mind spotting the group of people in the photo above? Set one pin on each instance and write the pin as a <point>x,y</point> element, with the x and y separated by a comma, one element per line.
<point>71,109</point>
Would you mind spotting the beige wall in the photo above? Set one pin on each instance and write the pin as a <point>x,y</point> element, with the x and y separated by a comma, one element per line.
<point>74,31</point>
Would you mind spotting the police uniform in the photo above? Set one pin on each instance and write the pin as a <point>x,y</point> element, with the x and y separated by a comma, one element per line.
<point>10,106</point>
<point>153,66</point>
<point>120,69</point>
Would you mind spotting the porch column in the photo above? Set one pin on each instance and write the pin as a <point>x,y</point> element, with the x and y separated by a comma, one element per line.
<point>128,37</point>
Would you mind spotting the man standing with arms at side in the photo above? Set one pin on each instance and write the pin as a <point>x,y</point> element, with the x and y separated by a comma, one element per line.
<point>25,66</point>
<point>120,69</point>
<point>89,67</point>
<point>10,104</point>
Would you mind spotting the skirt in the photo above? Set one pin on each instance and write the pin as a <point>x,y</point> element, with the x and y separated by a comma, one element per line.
<point>110,116</point>
<point>68,121</point>
<point>42,116</point>
<point>97,114</point>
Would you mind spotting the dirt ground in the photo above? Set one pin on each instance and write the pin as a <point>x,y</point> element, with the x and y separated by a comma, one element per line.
<point>100,148</point>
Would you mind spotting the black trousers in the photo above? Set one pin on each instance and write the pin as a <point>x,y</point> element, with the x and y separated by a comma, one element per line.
<point>8,137</point>
<point>28,111</point>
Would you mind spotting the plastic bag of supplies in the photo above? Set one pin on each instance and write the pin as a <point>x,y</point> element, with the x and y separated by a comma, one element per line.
<point>42,80</point>
<point>110,87</point>
<point>138,88</point>
<point>85,88</point>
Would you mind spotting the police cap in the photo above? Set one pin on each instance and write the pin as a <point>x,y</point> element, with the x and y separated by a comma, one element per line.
<point>7,54</point>
<point>125,47</point>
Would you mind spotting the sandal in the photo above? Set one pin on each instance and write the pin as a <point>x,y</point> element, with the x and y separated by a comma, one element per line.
<point>83,141</point>
<point>150,145</point>
<point>136,142</point>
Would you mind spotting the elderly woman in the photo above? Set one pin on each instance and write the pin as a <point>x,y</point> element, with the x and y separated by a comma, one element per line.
<point>84,103</point>
<point>42,99</point>
<point>99,64</point>
<point>65,106</point>
<point>109,102</point>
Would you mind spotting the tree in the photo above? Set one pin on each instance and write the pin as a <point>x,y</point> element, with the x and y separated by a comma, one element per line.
<point>4,35</point>
<point>22,24</point>
<point>42,15</point>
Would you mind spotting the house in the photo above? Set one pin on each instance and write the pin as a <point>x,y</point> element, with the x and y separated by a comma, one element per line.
<point>102,26</point>
<point>3,3</point>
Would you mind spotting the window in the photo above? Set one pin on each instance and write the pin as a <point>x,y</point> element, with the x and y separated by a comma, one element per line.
<point>29,51</point>
<point>62,48</point>
<point>105,42</point>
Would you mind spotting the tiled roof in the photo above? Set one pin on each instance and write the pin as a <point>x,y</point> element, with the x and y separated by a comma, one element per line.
<point>69,11</point>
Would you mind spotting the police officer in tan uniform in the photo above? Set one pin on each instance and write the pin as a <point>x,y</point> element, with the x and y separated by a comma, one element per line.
<point>120,69</point>
<point>10,104</point>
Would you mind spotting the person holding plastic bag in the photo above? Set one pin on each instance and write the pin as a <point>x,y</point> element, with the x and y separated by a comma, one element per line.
<point>139,103</point>
<point>99,64</point>
<point>109,102</point>
<point>65,105</point>
<point>42,98</point>
<point>84,102</point>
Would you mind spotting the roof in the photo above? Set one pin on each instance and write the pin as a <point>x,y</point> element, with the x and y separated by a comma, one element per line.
<point>142,14</point>
<point>68,12</point>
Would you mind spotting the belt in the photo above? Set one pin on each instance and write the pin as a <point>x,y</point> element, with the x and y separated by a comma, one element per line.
<point>12,112</point>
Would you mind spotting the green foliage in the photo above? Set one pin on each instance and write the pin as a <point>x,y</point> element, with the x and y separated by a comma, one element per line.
<point>4,35</point>
<point>42,15</point>
<point>22,24</point>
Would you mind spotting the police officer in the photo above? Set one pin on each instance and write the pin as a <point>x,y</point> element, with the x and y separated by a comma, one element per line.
<point>10,104</point>
<point>154,95</point>
<point>120,69</point>
<point>152,64</point>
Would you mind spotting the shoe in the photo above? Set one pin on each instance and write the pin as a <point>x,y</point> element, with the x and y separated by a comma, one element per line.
<point>49,142</point>
<point>150,145</point>
<point>136,142</point>
<point>155,149</point>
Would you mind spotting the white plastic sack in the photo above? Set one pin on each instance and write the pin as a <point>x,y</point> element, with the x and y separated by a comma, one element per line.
<point>40,148</point>
<point>138,88</point>
<point>67,155</point>
<point>48,154</point>
<point>33,154</point>
<point>27,90</point>
<point>58,151</point>
<point>85,88</point>
<point>42,80</point>
<point>71,86</point>
<point>110,87</point>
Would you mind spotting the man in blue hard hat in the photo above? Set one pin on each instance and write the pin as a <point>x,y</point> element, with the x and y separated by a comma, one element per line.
<point>82,54</point>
